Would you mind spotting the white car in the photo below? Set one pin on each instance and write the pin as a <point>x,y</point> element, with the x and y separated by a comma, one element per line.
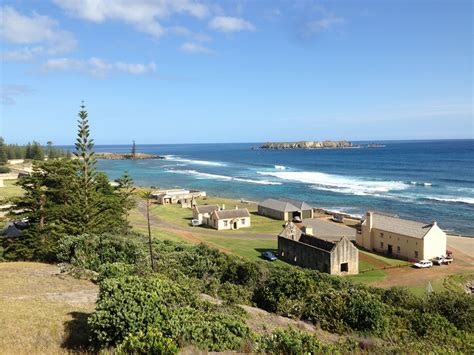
<point>423,264</point>
<point>196,222</point>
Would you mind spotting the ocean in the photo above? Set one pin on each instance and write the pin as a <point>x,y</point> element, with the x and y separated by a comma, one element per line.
<point>421,180</point>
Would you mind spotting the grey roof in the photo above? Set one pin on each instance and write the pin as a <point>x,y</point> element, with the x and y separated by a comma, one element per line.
<point>400,226</point>
<point>206,208</point>
<point>237,213</point>
<point>299,204</point>
<point>11,231</point>
<point>278,205</point>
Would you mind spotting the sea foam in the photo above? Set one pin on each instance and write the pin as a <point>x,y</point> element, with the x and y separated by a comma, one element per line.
<point>337,183</point>
<point>222,177</point>
<point>190,161</point>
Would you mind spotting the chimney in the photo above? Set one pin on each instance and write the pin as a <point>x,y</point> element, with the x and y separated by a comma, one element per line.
<point>308,230</point>
<point>368,219</point>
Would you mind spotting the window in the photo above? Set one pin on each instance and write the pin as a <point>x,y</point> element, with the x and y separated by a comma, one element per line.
<point>381,244</point>
<point>398,250</point>
<point>381,235</point>
<point>242,221</point>
<point>416,254</point>
<point>344,267</point>
<point>225,223</point>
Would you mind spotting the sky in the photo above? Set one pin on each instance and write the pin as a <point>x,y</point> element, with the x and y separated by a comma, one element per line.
<point>184,71</point>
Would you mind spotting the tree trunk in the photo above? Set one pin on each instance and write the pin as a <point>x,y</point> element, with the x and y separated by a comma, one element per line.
<point>149,233</point>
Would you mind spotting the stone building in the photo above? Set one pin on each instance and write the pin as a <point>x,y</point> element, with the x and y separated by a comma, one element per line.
<point>401,237</point>
<point>298,247</point>
<point>285,209</point>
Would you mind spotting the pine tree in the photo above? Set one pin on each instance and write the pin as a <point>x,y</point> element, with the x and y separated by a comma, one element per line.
<point>50,151</point>
<point>134,150</point>
<point>125,190</point>
<point>3,152</point>
<point>86,163</point>
<point>36,152</point>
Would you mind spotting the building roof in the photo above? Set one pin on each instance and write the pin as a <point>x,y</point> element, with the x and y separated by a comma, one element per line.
<point>291,231</point>
<point>237,213</point>
<point>11,231</point>
<point>400,226</point>
<point>279,205</point>
<point>206,208</point>
<point>299,204</point>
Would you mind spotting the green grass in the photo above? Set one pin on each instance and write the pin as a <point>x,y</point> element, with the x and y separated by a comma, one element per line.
<point>369,276</point>
<point>453,283</point>
<point>9,190</point>
<point>384,259</point>
<point>182,216</point>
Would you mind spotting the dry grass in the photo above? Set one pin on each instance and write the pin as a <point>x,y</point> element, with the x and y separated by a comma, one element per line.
<point>42,311</point>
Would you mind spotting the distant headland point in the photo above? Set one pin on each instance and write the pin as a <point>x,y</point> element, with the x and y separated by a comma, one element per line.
<point>317,145</point>
<point>126,156</point>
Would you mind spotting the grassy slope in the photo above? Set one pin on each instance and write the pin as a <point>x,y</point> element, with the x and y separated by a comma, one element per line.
<point>42,312</point>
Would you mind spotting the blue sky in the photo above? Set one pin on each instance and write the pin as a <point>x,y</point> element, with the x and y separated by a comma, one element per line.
<point>187,71</point>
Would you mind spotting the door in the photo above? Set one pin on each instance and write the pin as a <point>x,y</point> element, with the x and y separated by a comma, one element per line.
<point>390,249</point>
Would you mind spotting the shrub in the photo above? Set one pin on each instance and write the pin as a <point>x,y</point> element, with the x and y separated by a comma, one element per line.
<point>151,341</point>
<point>4,170</point>
<point>92,251</point>
<point>292,342</point>
<point>129,304</point>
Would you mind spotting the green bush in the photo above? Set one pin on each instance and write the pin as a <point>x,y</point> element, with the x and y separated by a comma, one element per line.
<point>92,251</point>
<point>4,170</point>
<point>129,304</point>
<point>292,342</point>
<point>115,270</point>
<point>151,341</point>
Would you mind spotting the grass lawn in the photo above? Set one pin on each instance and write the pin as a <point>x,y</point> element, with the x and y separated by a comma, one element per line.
<point>452,283</point>
<point>9,190</point>
<point>385,260</point>
<point>182,216</point>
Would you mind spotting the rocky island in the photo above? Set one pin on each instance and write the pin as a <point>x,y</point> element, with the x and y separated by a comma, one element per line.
<point>124,156</point>
<point>317,145</point>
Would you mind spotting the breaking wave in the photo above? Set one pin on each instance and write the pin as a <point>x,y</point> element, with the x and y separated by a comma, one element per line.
<point>222,177</point>
<point>190,161</point>
<point>421,183</point>
<point>341,184</point>
<point>452,199</point>
<point>280,167</point>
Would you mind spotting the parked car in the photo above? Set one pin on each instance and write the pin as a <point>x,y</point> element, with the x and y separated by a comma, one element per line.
<point>297,219</point>
<point>442,260</point>
<point>196,222</point>
<point>338,218</point>
<point>423,264</point>
<point>268,255</point>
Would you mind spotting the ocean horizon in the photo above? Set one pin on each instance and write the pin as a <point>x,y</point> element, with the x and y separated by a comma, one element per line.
<point>423,180</point>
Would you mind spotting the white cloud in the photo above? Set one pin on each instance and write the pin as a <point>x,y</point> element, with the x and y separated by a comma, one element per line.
<point>97,67</point>
<point>230,24</point>
<point>40,31</point>
<point>141,14</point>
<point>195,48</point>
<point>9,92</point>
<point>322,25</point>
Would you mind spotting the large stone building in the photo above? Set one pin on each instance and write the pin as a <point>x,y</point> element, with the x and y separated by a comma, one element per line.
<point>285,209</point>
<point>401,238</point>
<point>229,219</point>
<point>298,247</point>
